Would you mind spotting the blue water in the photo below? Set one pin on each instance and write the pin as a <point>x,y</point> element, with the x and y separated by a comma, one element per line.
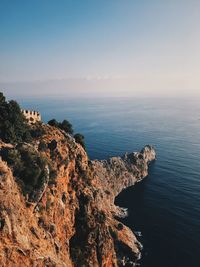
<point>165,207</point>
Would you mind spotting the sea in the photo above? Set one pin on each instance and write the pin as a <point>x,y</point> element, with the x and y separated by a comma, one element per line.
<point>164,209</point>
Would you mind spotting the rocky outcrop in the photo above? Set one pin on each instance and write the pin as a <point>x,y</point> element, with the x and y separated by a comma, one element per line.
<point>71,219</point>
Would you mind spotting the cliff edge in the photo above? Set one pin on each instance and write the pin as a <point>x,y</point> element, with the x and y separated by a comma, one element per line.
<point>67,216</point>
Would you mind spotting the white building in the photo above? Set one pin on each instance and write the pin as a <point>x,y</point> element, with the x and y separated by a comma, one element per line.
<point>32,116</point>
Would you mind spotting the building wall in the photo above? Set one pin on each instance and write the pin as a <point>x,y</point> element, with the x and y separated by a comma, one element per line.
<point>32,116</point>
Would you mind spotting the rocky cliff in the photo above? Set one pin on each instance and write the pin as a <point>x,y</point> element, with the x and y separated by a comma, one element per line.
<point>68,218</point>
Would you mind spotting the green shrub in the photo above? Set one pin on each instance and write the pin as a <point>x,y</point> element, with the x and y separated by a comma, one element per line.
<point>120,226</point>
<point>52,145</point>
<point>54,123</point>
<point>13,125</point>
<point>113,233</point>
<point>37,131</point>
<point>42,146</point>
<point>27,164</point>
<point>64,125</point>
<point>80,139</point>
<point>11,156</point>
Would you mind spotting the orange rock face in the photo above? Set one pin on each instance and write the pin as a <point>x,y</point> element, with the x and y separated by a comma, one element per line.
<point>71,220</point>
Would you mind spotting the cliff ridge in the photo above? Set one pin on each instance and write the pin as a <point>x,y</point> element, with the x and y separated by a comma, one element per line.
<point>67,216</point>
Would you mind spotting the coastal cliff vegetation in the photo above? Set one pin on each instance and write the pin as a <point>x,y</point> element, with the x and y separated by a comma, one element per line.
<point>57,207</point>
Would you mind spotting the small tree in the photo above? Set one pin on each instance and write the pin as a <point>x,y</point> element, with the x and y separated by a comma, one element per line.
<point>54,123</point>
<point>2,98</point>
<point>80,139</point>
<point>13,125</point>
<point>42,146</point>
<point>66,126</point>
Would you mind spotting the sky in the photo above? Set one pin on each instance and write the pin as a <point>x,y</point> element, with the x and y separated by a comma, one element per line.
<point>100,48</point>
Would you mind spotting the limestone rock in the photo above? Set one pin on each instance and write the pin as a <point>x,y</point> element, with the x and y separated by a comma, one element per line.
<point>73,220</point>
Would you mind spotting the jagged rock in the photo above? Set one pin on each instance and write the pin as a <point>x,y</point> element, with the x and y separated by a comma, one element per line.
<point>72,221</point>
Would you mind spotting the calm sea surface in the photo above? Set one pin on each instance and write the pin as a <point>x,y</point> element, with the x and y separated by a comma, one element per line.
<point>165,207</point>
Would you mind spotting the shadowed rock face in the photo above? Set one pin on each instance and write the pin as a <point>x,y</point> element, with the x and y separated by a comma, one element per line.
<point>73,222</point>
